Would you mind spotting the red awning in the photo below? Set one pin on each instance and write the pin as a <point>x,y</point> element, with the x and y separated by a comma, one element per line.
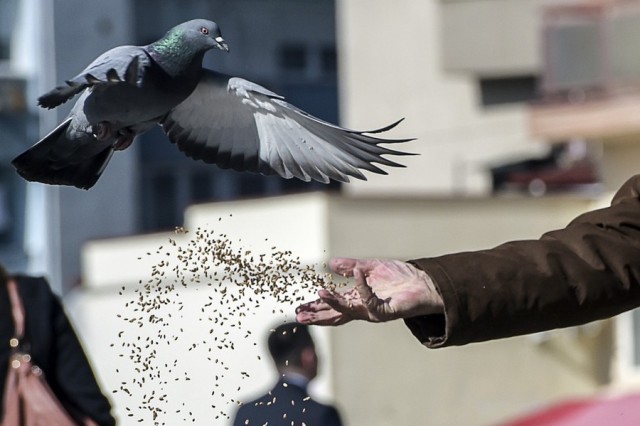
<point>611,411</point>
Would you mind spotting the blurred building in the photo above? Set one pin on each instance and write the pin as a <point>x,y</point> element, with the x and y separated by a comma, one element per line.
<point>480,83</point>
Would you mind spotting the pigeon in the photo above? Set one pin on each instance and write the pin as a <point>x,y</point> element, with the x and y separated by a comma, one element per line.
<point>216,118</point>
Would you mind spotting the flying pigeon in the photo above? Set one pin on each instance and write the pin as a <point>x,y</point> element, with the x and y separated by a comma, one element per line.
<point>216,118</point>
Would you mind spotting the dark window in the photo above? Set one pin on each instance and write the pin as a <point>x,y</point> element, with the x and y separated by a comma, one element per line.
<point>293,57</point>
<point>328,60</point>
<point>165,214</point>
<point>201,186</point>
<point>4,49</point>
<point>168,188</point>
<point>507,90</point>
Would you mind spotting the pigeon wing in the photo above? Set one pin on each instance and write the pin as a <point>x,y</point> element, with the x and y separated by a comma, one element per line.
<point>237,124</point>
<point>120,65</point>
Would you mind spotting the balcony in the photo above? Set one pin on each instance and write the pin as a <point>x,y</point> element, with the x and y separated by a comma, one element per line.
<point>608,118</point>
<point>591,72</point>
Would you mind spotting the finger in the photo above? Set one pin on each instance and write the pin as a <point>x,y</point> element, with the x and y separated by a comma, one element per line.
<point>319,312</point>
<point>337,302</point>
<point>343,265</point>
<point>315,306</point>
<point>331,317</point>
<point>364,290</point>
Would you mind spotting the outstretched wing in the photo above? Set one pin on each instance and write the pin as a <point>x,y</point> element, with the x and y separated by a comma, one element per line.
<point>123,64</point>
<point>237,124</point>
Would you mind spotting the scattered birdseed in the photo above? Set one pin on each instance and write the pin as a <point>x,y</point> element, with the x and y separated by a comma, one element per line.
<point>234,282</point>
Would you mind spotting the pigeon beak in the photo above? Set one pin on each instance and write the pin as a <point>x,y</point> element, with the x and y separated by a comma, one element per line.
<point>221,44</point>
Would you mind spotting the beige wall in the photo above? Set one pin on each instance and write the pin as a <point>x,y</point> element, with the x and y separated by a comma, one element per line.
<point>491,37</point>
<point>391,66</point>
<point>386,378</point>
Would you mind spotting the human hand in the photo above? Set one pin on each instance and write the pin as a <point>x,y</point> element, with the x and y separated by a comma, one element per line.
<point>384,290</point>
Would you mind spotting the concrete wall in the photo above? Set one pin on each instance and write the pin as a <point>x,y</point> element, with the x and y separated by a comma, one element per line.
<point>391,66</point>
<point>491,37</point>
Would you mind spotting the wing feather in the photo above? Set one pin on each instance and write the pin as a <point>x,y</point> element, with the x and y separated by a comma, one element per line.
<point>120,65</point>
<point>237,124</point>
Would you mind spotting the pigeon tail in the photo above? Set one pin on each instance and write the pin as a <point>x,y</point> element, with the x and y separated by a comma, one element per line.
<point>61,160</point>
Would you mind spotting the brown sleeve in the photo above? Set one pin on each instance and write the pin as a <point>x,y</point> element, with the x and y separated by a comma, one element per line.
<point>587,271</point>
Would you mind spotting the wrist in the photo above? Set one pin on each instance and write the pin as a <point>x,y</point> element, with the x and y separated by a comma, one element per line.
<point>432,302</point>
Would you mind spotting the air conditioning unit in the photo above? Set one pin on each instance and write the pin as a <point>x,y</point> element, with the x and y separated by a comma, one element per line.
<point>591,48</point>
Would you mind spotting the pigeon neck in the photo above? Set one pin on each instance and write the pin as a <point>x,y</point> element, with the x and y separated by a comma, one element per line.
<point>174,55</point>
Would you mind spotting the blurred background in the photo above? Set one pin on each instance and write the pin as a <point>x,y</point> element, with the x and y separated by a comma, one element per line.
<point>526,113</point>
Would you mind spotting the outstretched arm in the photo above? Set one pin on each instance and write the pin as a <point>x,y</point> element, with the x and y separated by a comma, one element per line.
<point>587,271</point>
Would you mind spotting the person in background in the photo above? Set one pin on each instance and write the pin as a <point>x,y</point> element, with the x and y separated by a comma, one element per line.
<point>54,347</point>
<point>288,403</point>
<point>588,271</point>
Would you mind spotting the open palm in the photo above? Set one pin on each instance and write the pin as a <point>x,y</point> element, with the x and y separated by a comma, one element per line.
<point>384,290</point>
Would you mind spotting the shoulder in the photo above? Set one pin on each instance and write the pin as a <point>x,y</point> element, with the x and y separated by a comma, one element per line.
<point>34,291</point>
<point>249,409</point>
<point>259,401</point>
<point>32,285</point>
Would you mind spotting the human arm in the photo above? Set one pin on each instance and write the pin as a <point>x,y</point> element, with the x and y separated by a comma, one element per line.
<point>587,271</point>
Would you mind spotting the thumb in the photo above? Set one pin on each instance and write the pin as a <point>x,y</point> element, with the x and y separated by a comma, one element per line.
<point>343,265</point>
<point>364,290</point>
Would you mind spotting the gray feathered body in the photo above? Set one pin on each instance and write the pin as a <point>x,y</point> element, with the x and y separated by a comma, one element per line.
<point>215,118</point>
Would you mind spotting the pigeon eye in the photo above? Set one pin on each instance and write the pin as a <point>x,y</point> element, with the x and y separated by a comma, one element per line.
<point>204,30</point>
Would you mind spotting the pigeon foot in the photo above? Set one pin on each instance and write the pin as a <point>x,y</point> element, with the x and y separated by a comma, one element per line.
<point>102,131</point>
<point>124,141</point>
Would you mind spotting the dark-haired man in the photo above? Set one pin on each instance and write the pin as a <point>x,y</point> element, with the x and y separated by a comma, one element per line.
<point>288,403</point>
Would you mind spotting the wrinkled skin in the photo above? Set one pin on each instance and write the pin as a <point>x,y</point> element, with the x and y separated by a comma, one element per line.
<point>384,290</point>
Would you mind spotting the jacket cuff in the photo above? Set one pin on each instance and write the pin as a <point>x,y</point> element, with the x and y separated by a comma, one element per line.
<point>437,330</point>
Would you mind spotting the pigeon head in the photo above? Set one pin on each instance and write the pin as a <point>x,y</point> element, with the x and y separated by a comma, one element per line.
<point>202,34</point>
<point>191,38</point>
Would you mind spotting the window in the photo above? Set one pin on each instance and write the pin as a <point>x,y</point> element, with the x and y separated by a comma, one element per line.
<point>329,60</point>
<point>498,91</point>
<point>293,57</point>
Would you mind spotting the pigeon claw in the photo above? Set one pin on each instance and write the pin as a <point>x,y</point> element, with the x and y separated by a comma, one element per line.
<point>125,139</point>
<point>102,131</point>
<point>123,142</point>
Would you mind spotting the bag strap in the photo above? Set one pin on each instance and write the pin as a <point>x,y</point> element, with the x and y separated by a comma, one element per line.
<point>17,309</point>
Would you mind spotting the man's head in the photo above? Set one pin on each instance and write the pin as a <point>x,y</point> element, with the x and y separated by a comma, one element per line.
<point>292,349</point>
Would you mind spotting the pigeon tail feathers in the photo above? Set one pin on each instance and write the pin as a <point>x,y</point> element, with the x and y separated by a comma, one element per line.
<point>60,160</point>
